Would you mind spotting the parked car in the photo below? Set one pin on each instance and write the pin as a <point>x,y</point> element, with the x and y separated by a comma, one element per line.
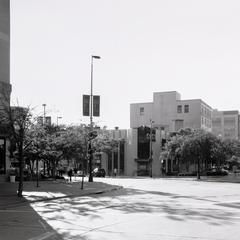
<point>217,172</point>
<point>99,172</point>
<point>80,173</point>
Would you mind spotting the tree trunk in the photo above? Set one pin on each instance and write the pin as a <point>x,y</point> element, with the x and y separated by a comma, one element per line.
<point>21,166</point>
<point>198,168</point>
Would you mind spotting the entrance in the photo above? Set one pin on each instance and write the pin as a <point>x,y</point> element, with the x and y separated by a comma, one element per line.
<point>143,168</point>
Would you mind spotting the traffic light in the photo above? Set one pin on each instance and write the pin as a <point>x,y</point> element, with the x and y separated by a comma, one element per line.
<point>164,141</point>
<point>92,135</point>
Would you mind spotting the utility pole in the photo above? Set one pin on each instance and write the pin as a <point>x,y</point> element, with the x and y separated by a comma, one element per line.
<point>44,113</point>
<point>151,151</point>
<point>44,122</point>
<point>90,179</point>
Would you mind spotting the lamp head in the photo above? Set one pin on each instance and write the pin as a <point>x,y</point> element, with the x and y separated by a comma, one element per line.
<point>97,57</point>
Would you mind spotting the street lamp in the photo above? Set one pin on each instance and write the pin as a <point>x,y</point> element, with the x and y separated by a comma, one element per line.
<point>44,121</point>
<point>151,151</point>
<point>57,119</point>
<point>44,113</point>
<point>90,179</point>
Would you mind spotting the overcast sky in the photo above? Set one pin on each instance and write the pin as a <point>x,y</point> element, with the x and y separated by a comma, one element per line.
<point>146,46</point>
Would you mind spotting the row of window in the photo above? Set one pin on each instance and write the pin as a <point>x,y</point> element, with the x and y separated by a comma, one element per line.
<point>206,122</point>
<point>206,112</point>
<point>226,121</point>
<point>180,108</point>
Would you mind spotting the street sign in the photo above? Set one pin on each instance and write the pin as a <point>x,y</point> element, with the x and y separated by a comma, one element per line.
<point>86,105</point>
<point>96,106</point>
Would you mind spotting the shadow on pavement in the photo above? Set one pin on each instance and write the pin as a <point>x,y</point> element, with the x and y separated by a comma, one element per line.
<point>130,201</point>
<point>62,210</point>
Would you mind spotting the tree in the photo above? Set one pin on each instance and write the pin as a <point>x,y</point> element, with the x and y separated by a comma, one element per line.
<point>17,121</point>
<point>34,137</point>
<point>200,148</point>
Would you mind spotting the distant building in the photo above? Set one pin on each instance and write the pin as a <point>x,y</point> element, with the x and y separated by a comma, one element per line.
<point>225,124</point>
<point>48,121</point>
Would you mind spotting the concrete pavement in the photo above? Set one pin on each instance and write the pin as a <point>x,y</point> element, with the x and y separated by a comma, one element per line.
<point>18,220</point>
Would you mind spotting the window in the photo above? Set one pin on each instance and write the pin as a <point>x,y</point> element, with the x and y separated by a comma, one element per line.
<point>141,110</point>
<point>186,108</point>
<point>179,109</point>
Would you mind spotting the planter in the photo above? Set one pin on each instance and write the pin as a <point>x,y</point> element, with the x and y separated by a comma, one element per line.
<point>12,178</point>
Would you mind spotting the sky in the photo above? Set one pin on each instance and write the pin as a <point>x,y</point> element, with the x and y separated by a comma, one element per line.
<point>146,46</point>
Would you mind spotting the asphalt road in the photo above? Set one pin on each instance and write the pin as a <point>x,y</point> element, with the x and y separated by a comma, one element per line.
<point>165,209</point>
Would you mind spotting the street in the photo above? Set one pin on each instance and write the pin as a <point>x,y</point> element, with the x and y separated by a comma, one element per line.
<point>148,209</point>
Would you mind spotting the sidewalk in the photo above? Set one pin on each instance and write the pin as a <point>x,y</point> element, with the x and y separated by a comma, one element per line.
<point>18,220</point>
<point>49,190</point>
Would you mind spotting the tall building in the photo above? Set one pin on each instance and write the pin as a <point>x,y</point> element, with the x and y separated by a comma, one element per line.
<point>5,87</point>
<point>225,124</point>
<point>168,112</point>
<point>165,115</point>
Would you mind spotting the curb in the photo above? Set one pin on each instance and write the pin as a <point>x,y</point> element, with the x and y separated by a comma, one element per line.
<point>77,195</point>
<point>24,201</point>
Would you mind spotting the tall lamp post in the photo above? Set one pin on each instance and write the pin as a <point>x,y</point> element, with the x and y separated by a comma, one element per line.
<point>151,151</point>
<point>90,179</point>
<point>44,113</point>
<point>44,122</point>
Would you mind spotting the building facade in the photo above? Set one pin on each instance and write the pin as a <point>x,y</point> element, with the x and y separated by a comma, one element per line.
<point>152,123</point>
<point>165,115</point>
<point>169,112</point>
<point>5,87</point>
<point>225,124</point>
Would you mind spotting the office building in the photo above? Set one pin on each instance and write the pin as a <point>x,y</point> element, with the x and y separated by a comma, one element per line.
<point>165,115</point>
